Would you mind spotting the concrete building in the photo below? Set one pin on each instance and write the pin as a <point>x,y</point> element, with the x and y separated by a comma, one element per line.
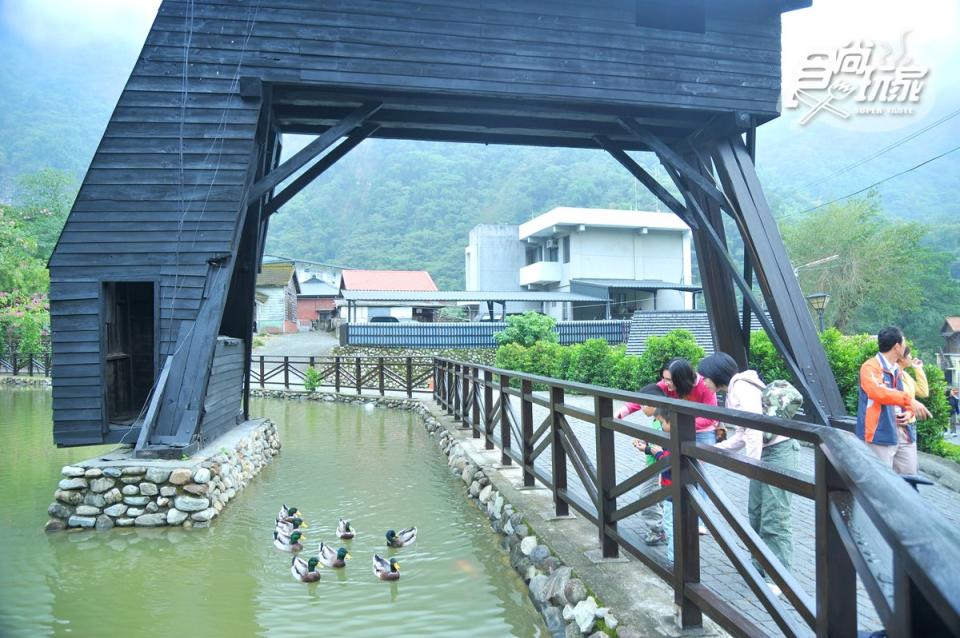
<point>639,260</point>
<point>387,281</point>
<point>316,304</point>
<point>278,282</point>
<point>949,356</point>
<point>493,259</point>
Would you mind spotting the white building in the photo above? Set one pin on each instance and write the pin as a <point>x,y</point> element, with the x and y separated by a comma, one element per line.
<point>639,260</point>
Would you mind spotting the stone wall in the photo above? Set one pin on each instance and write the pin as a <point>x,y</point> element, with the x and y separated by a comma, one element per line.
<point>125,491</point>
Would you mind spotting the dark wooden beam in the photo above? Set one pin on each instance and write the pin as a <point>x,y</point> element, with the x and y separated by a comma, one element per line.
<point>311,150</point>
<point>646,179</point>
<point>325,162</point>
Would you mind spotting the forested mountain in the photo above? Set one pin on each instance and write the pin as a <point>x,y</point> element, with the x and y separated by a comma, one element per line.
<point>392,204</point>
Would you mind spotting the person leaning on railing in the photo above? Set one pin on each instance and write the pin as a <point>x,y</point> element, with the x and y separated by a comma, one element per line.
<point>915,388</point>
<point>768,507</point>
<point>886,414</point>
<point>653,516</point>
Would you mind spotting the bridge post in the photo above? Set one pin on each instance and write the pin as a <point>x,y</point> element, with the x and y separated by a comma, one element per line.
<point>686,537</point>
<point>465,397</point>
<point>409,369</point>
<point>836,576</point>
<point>526,431</point>
<point>606,475</point>
<point>504,421</point>
<point>448,389</point>
<point>559,465</point>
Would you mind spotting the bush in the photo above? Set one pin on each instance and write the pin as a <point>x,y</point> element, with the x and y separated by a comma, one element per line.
<point>624,370</point>
<point>511,356</point>
<point>659,350</point>
<point>765,359</point>
<point>930,432</point>
<point>527,329</point>
<point>591,363</point>
<point>543,358</point>
<point>24,321</point>
<point>311,379</point>
<point>845,354</point>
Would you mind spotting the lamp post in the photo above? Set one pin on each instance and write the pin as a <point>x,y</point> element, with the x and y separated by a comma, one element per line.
<point>818,301</point>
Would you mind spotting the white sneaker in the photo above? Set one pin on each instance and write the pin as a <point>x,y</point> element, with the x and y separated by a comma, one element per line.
<point>702,529</point>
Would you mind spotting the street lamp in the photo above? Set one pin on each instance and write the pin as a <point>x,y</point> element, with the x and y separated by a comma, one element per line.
<point>818,301</point>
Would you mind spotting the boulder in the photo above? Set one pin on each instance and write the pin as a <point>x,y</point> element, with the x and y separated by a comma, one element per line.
<point>104,522</point>
<point>130,490</point>
<point>134,512</point>
<point>150,520</point>
<point>556,582</point>
<point>196,489</point>
<point>93,472</point>
<point>176,517</point>
<point>191,503</point>
<point>72,484</point>
<point>528,544</point>
<point>113,496</point>
<point>204,515</point>
<point>54,525</point>
<point>94,499</point>
<point>484,493</point>
<point>102,484</point>
<point>69,497</point>
<point>87,510</point>
<point>474,490</point>
<point>584,614</point>
<point>168,490</point>
<point>201,476</point>
<point>136,501</point>
<point>115,510</point>
<point>133,470</point>
<point>498,506</point>
<point>72,471</point>
<point>537,584</point>
<point>149,489</point>
<point>124,522</point>
<point>156,475</point>
<point>113,472</point>
<point>572,631</point>
<point>539,554</point>
<point>180,476</point>
<point>553,620</point>
<point>81,521</point>
<point>575,591</point>
<point>59,510</point>
<point>151,508</point>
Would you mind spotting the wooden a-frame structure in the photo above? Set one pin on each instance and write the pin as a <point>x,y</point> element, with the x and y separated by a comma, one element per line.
<point>152,281</point>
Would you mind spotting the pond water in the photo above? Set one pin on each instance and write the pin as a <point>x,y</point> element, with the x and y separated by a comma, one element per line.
<point>377,467</point>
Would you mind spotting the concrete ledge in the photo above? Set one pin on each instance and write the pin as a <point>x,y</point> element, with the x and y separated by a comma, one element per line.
<point>945,471</point>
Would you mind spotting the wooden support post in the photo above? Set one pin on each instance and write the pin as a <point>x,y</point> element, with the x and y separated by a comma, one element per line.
<point>359,372</point>
<point>380,376</point>
<point>606,475</point>
<point>262,373</point>
<point>409,377</point>
<point>526,430</point>
<point>336,374</point>
<point>836,577</point>
<point>475,401</point>
<point>448,390</point>
<point>559,456</point>
<point>465,396</point>
<point>686,535</point>
<point>286,373</point>
<point>504,422</point>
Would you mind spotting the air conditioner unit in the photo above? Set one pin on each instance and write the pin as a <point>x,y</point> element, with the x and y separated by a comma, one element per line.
<point>551,243</point>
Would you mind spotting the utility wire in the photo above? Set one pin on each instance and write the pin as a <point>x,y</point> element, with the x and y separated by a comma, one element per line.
<point>885,149</point>
<point>875,184</point>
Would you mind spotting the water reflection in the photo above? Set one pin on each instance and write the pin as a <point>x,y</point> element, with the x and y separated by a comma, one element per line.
<point>379,469</point>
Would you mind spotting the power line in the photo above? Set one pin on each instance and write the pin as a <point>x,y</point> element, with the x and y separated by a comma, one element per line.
<point>885,149</point>
<point>866,188</point>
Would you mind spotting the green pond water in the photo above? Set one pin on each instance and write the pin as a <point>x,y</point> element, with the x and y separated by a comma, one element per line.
<point>377,467</point>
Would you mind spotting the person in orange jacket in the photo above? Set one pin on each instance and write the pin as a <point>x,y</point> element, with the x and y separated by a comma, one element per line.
<point>885,411</point>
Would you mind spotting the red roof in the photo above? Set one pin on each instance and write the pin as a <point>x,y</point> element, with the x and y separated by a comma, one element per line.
<point>388,280</point>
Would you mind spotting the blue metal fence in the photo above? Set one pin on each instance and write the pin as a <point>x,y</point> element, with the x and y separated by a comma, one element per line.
<point>470,335</point>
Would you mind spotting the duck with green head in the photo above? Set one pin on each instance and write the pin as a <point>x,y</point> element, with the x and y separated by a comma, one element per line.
<point>289,543</point>
<point>402,538</point>
<point>287,514</point>
<point>386,569</point>
<point>285,529</point>
<point>305,570</point>
<point>331,558</point>
<point>344,529</point>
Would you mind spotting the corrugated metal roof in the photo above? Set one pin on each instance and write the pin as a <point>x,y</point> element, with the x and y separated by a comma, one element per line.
<point>314,287</point>
<point>638,284</point>
<point>465,295</point>
<point>387,280</point>
<point>646,324</point>
<point>275,275</point>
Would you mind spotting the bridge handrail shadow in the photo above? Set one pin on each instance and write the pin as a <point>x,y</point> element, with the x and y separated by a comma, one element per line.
<point>852,492</point>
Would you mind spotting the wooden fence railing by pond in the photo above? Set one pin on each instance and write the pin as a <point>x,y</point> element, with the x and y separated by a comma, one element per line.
<point>31,364</point>
<point>381,374</point>
<point>911,578</point>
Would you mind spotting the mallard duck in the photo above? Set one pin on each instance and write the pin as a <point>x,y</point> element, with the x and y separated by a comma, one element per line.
<point>288,528</point>
<point>332,558</point>
<point>384,569</point>
<point>305,570</point>
<point>287,514</point>
<point>402,538</point>
<point>289,543</point>
<point>344,530</point>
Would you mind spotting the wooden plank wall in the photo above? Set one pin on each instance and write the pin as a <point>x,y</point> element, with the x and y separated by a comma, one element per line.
<point>222,405</point>
<point>165,187</point>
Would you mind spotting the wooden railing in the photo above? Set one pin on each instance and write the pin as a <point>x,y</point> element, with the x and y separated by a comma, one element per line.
<point>25,363</point>
<point>915,594</point>
<point>380,374</point>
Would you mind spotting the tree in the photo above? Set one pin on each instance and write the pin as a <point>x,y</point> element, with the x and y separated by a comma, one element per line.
<point>527,329</point>
<point>42,201</point>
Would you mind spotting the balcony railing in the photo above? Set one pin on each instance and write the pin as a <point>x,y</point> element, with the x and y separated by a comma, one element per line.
<point>541,272</point>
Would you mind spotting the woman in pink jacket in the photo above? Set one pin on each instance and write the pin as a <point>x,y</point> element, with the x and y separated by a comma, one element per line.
<point>679,381</point>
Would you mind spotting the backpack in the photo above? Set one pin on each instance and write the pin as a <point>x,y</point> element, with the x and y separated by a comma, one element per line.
<point>780,399</point>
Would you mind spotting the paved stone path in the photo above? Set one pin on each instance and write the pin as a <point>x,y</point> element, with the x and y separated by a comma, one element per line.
<point>312,343</point>
<point>716,569</point>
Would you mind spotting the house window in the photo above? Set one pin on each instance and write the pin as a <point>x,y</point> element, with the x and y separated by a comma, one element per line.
<point>553,253</point>
<point>128,344</point>
<point>566,249</point>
